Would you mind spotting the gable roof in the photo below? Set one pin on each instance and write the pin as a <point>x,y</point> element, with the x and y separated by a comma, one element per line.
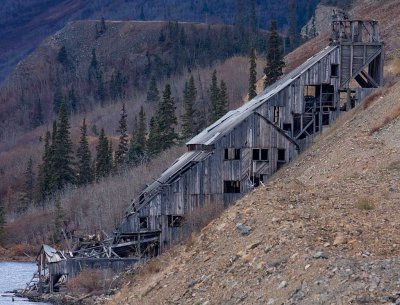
<point>231,119</point>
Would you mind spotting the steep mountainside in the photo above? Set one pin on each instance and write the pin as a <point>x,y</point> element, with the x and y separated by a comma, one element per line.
<point>324,230</point>
<point>105,62</point>
<point>24,24</point>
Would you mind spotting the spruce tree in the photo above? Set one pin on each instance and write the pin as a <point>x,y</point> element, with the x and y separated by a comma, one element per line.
<point>44,176</point>
<point>214,97</point>
<point>122,150</point>
<point>57,99</point>
<point>275,63</point>
<point>72,100</point>
<point>84,163</point>
<point>62,56</point>
<point>189,117</point>
<point>62,159</point>
<point>153,93</point>
<point>117,81</point>
<point>93,72</point>
<point>166,119</point>
<point>110,156</point>
<point>252,75</point>
<point>223,101</point>
<point>137,147</point>
<point>142,130</point>
<point>29,187</point>
<point>153,146</point>
<point>102,164</point>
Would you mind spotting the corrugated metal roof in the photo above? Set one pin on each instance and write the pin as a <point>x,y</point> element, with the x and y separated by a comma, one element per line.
<point>232,118</point>
<point>52,254</point>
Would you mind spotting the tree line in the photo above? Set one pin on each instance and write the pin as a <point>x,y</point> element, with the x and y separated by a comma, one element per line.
<point>61,167</point>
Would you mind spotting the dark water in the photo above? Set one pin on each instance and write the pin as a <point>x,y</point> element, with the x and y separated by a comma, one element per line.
<point>15,276</point>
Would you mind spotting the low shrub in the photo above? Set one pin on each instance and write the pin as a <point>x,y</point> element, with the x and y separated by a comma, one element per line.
<point>365,204</point>
<point>94,281</point>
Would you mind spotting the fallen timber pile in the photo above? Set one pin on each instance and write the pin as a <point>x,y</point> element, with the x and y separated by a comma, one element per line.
<point>112,255</point>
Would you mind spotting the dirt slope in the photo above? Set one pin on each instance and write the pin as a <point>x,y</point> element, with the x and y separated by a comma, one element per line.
<point>323,231</point>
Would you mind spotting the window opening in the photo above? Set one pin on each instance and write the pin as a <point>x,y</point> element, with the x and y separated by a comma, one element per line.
<point>231,186</point>
<point>143,223</point>
<point>260,154</point>
<point>287,127</point>
<point>281,155</point>
<point>334,70</point>
<point>175,221</point>
<point>256,154</point>
<point>276,114</point>
<point>232,154</point>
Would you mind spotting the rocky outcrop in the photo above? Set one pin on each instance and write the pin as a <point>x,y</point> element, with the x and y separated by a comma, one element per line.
<point>320,22</point>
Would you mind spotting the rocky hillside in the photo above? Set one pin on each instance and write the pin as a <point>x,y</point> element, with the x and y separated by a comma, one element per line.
<point>24,24</point>
<point>324,230</point>
<point>103,62</point>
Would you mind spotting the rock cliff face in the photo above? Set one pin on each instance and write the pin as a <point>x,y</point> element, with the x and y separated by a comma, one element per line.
<point>320,22</point>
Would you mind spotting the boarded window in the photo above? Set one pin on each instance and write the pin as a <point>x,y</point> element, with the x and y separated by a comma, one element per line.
<point>231,186</point>
<point>281,155</point>
<point>232,154</point>
<point>260,154</point>
<point>334,70</point>
<point>143,223</point>
<point>175,221</point>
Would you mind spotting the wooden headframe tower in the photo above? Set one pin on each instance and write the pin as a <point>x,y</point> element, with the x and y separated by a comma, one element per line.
<point>248,145</point>
<point>361,52</point>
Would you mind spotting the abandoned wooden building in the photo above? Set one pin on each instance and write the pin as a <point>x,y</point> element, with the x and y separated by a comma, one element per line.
<point>247,145</point>
<point>243,148</point>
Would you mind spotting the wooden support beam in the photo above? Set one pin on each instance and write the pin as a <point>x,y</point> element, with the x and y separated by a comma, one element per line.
<point>370,79</point>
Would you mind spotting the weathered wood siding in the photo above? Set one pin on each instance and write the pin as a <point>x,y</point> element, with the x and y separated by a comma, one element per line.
<point>270,126</point>
<point>203,183</point>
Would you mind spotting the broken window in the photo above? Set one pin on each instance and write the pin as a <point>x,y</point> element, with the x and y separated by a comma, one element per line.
<point>287,127</point>
<point>143,223</point>
<point>232,154</point>
<point>175,221</point>
<point>281,155</point>
<point>276,115</point>
<point>260,154</point>
<point>191,147</point>
<point>334,70</point>
<point>255,181</point>
<point>231,186</point>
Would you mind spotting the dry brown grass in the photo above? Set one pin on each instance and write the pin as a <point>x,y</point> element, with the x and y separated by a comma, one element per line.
<point>151,267</point>
<point>365,204</point>
<point>396,66</point>
<point>372,98</point>
<point>394,114</point>
<point>91,281</point>
<point>198,219</point>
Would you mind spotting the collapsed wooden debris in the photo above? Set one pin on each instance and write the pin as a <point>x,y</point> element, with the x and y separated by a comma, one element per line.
<point>56,267</point>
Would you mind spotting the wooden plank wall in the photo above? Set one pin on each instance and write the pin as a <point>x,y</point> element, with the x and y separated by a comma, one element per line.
<point>202,184</point>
